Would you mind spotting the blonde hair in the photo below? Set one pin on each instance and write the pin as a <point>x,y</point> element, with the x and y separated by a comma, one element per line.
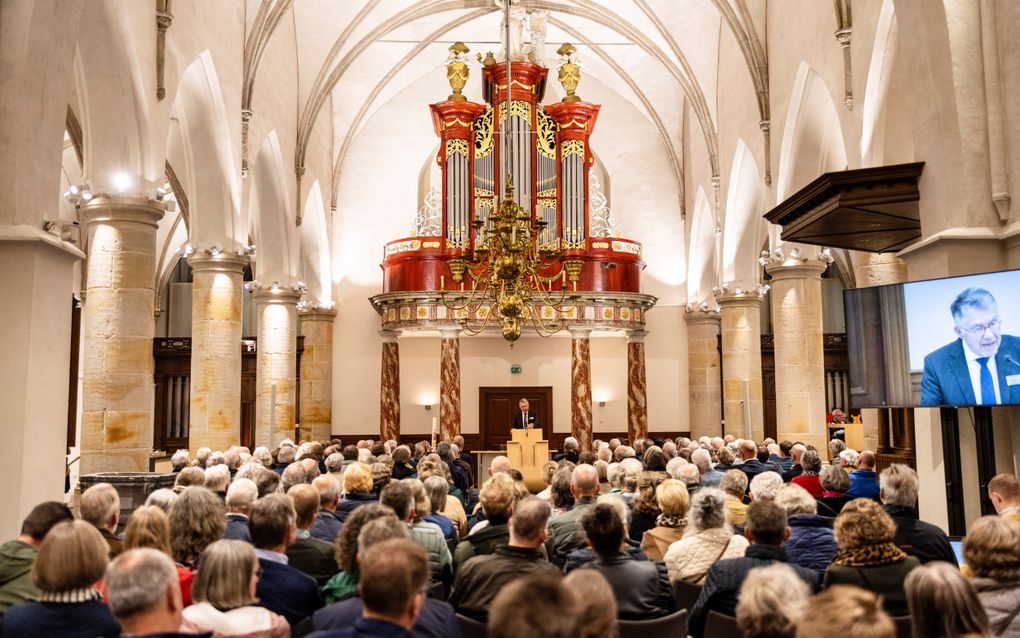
<point>497,497</point>
<point>357,478</point>
<point>422,505</point>
<point>73,555</point>
<point>863,522</point>
<point>771,602</point>
<point>796,500</point>
<point>598,618</point>
<point>306,503</point>
<point>992,548</point>
<point>673,498</point>
<point>854,611</point>
<point>224,575</point>
<point>149,526</point>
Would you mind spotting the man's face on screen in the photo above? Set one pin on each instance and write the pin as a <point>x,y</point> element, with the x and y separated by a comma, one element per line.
<point>980,329</point>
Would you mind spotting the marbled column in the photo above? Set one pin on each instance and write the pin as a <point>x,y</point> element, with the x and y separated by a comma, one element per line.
<point>117,328</point>
<point>215,410</point>
<point>389,388</point>
<point>316,416</point>
<point>449,384</point>
<point>704,374</point>
<point>740,326</point>
<point>276,373</point>
<point>637,386</point>
<point>580,387</point>
<point>800,355</point>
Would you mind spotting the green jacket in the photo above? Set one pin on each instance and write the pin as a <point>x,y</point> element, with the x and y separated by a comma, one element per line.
<point>342,586</point>
<point>16,560</point>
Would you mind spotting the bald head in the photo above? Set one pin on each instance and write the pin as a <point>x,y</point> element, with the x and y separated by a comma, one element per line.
<point>866,461</point>
<point>499,465</point>
<point>748,450</point>
<point>584,481</point>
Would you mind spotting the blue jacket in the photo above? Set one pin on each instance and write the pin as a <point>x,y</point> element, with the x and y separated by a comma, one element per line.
<point>353,501</point>
<point>365,628</point>
<point>90,619</point>
<point>863,484</point>
<point>812,543</point>
<point>287,591</point>
<point>237,528</point>
<point>946,378</point>
<point>326,527</point>
<point>435,620</point>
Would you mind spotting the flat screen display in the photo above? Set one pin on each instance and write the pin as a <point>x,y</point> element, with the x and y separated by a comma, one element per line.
<point>943,342</point>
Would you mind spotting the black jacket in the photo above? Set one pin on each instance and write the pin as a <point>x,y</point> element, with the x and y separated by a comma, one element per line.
<point>722,584</point>
<point>918,538</point>
<point>480,578</point>
<point>314,557</point>
<point>884,580</point>
<point>484,541</point>
<point>287,591</point>
<point>584,555</point>
<point>435,620</point>
<point>353,501</point>
<point>326,526</point>
<point>641,587</point>
<point>754,467</point>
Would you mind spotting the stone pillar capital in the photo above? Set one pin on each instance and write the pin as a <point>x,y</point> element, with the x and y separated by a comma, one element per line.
<point>389,336</point>
<point>702,318</point>
<point>317,314</point>
<point>137,210</point>
<point>450,332</point>
<point>796,270</point>
<point>636,336</point>
<point>282,296</point>
<point>579,333</point>
<point>743,300</point>
<point>223,262</point>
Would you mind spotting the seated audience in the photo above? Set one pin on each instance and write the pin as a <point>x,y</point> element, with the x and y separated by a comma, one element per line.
<point>708,538</point>
<point>1004,493</point>
<point>863,480</point>
<point>771,602</point>
<point>217,479</point>
<point>453,508</point>
<point>436,490</point>
<point>426,534</point>
<point>394,574</point>
<point>992,553</point>
<point>566,533</point>
<point>402,466</point>
<point>641,587</point>
<point>548,471</point>
<point>480,578</point>
<point>673,500</point>
<point>751,466</point>
<point>765,486</point>
<point>17,557</point>
<point>602,467</point>
<point>835,483</point>
<point>943,604</point>
<point>562,499</point>
<point>847,610</point>
<point>571,451</point>
<point>188,477</point>
<point>553,611</point>
<point>812,543</point>
<point>710,476</point>
<point>766,529</point>
<point>727,460</point>
<point>344,584</point>
<point>149,528</point>
<point>281,589</point>
<point>241,495</point>
<point>867,556</point>
<point>646,507</point>
<point>898,492</point>
<point>811,465</point>
<point>796,456</point>
<point>72,558</point>
<point>734,485</point>
<point>225,596</point>
<point>162,498</point>
<point>311,555</point>
<point>293,475</point>
<point>142,592</point>
<point>835,447</point>
<point>598,602</point>
<point>327,525</point>
<point>584,555</point>
<point>357,490</point>
<point>100,506</point>
<point>197,518</point>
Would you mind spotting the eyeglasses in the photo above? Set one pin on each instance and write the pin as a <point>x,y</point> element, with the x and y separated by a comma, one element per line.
<point>977,331</point>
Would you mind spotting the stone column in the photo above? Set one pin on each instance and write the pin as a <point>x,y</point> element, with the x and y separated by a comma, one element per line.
<point>276,372</point>
<point>637,386</point>
<point>703,370</point>
<point>740,326</point>
<point>800,355</point>
<point>580,387</point>
<point>389,388</point>
<point>449,384</point>
<point>215,407</point>
<point>317,373</point>
<point>117,328</point>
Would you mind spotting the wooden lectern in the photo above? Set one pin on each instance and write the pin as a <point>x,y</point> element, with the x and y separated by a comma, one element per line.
<point>528,452</point>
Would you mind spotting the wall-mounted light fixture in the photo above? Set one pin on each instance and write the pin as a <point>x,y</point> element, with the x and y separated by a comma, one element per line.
<point>428,407</point>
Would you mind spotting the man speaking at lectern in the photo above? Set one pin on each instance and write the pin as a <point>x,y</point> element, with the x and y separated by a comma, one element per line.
<point>982,367</point>
<point>525,418</point>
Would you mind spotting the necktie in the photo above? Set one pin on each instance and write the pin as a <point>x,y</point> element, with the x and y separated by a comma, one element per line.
<point>987,386</point>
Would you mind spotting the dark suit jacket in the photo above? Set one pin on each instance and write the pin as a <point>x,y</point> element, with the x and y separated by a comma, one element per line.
<point>314,557</point>
<point>436,619</point>
<point>237,528</point>
<point>918,538</point>
<point>284,590</point>
<point>518,421</point>
<point>946,379</point>
<point>326,526</point>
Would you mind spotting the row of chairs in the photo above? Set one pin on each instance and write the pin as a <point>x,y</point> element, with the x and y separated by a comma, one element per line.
<point>671,626</point>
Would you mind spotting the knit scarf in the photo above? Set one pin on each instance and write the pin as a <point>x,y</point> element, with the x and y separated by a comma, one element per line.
<point>881,554</point>
<point>664,520</point>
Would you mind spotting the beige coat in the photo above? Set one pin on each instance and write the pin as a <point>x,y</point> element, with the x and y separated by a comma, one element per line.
<point>690,557</point>
<point>656,541</point>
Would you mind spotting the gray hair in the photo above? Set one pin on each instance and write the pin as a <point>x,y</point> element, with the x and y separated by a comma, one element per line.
<point>570,443</point>
<point>674,465</point>
<point>849,457</point>
<point>162,498</point>
<point>334,461</point>
<point>796,500</point>
<point>293,475</point>
<point>811,462</point>
<point>620,507</point>
<point>765,486</point>
<point>689,474</point>
<point>771,601</point>
<point>304,451</point>
<point>137,581</point>
<point>708,511</point>
<point>216,458</point>
<point>217,477</point>
<point>179,459</point>
<point>286,454</point>
<point>900,485</point>
<point>973,298</point>
<point>734,482</point>
<point>703,459</point>
<point>263,456</point>
<point>835,479</point>
<point>100,504</point>
<point>242,495</point>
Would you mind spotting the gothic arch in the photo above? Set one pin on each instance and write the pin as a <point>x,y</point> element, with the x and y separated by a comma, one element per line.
<point>271,214</point>
<point>701,273</point>
<point>743,226</point>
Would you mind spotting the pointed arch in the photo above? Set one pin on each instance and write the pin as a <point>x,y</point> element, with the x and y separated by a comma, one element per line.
<point>743,226</point>
<point>886,133</point>
<point>701,275</point>
<point>316,268</point>
<point>271,216</point>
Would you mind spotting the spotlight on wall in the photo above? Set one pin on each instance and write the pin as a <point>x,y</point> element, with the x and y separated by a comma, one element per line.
<point>160,193</point>
<point>121,181</point>
<point>689,307</point>
<point>795,253</point>
<point>275,287</point>
<point>826,256</point>
<point>78,193</point>
<point>764,258</point>
<point>215,251</point>
<point>249,250</point>
<point>704,306</point>
<point>187,249</point>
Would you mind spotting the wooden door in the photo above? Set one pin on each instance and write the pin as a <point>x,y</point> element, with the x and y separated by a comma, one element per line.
<point>497,407</point>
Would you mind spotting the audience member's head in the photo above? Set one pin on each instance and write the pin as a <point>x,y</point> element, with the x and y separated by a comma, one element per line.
<point>399,497</point>
<point>598,603</point>
<point>286,454</point>
<point>306,504</point>
<point>604,529</point>
<point>100,506</point>
<point>162,498</point>
<point>765,486</point>
<point>198,517</point>
<point>143,592</point>
<point>379,530</point>
<point>655,460</point>
<point>528,523</point>
<point>707,510</point>
<point>854,611</point>
<point>266,480</point>
<point>497,498</point>
<point>179,460</point>
<point>992,549</point>
<point>725,456</point>
<point>437,491</point>
<point>345,547</point>
<point>41,520</point>
<point>771,602</point>
<point>866,460</point>
<point>294,474</point>
<point>835,480</point>
<point>797,452</point>
<point>794,499</point>
<point>898,485</point>
<point>72,556</point>
<point>241,495</point>
<point>673,499</point>
<point>394,574</point>
<point>734,483</point>
<point>835,447</point>
<point>584,482</point>
<point>422,506</point>
<point>273,523</point>
<point>217,477</point>
<point>553,610</point>
<point>358,479</point>
<point>227,575</point>
<point>766,524</point>
<point>1004,492</point>
<point>943,604</point>
<point>863,523</point>
<point>499,465</point>
<point>148,527</point>
<point>811,462</point>
<point>311,468</point>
